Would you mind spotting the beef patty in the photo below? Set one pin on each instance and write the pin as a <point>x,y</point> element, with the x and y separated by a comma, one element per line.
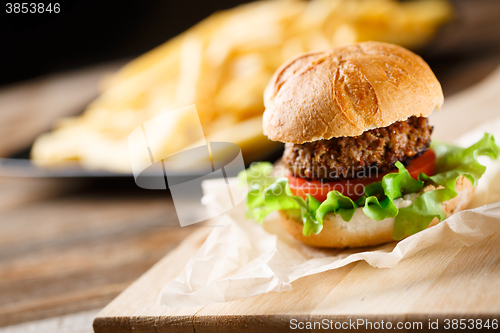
<point>373,152</point>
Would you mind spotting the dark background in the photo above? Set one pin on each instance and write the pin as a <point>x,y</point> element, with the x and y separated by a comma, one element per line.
<point>89,32</point>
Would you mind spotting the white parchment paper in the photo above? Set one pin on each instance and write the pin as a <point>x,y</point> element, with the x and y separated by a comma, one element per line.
<point>242,258</point>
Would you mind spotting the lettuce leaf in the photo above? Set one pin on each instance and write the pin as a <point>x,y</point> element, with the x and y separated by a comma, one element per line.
<point>258,177</point>
<point>278,196</point>
<point>379,196</point>
<point>337,203</point>
<point>451,163</point>
<point>268,194</point>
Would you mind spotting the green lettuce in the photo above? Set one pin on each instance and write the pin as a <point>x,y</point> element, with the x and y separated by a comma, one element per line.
<point>451,163</point>
<point>267,193</point>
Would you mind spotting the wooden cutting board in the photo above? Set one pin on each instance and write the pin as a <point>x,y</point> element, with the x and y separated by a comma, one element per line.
<point>442,282</point>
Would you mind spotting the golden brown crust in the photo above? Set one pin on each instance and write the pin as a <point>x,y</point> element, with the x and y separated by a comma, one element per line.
<point>346,91</point>
<point>363,231</point>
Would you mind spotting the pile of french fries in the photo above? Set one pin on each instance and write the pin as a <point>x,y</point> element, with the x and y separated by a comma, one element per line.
<point>222,65</point>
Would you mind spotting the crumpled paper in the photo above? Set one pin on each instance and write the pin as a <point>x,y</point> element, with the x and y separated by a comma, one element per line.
<point>242,258</point>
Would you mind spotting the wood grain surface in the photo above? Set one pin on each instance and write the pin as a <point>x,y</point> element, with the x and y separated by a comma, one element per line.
<point>69,247</point>
<point>71,323</point>
<point>65,249</point>
<point>445,281</point>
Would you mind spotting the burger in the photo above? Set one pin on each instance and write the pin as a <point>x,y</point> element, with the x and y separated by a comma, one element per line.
<point>360,166</point>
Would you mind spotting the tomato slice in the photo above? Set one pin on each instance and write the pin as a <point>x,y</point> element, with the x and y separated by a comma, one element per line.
<point>354,188</point>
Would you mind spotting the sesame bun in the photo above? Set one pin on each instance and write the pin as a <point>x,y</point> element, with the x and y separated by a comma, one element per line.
<point>346,91</point>
<point>362,230</point>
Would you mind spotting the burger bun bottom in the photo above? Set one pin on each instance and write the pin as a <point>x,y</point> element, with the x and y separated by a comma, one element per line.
<point>364,231</point>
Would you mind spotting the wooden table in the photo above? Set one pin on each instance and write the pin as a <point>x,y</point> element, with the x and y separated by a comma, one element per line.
<point>71,247</point>
<point>67,248</point>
